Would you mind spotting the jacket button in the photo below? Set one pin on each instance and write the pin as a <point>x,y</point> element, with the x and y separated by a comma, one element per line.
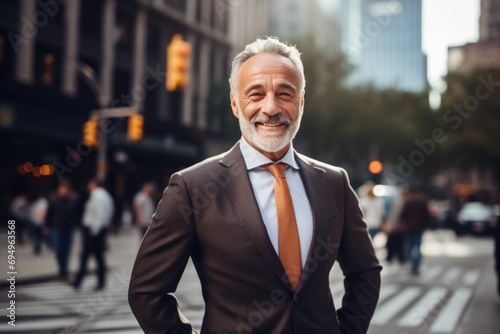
<point>295,299</point>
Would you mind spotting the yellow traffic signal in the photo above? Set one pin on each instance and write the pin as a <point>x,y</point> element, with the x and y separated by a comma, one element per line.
<point>90,132</point>
<point>135,127</point>
<point>48,70</point>
<point>178,54</point>
<point>375,167</point>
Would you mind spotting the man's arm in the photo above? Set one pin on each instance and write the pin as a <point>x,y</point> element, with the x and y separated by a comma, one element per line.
<point>361,269</point>
<point>161,260</point>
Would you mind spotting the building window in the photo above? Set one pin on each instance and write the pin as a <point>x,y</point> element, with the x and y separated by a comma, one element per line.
<point>179,5</point>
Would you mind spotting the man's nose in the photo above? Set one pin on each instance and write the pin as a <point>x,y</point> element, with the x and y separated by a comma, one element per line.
<point>271,106</point>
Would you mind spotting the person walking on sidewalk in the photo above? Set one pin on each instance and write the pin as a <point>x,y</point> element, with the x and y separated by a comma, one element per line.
<point>393,228</point>
<point>38,212</point>
<point>415,219</point>
<point>262,223</point>
<point>144,207</point>
<point>373,209</point>
<point>97,216</point>
<point>60,221</point>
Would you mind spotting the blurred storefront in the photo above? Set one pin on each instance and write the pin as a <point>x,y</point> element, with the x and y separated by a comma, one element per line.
<point>45,98</point>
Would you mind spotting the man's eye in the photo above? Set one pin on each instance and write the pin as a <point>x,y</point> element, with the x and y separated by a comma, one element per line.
<point>284,94</point>
<point>256,94</point>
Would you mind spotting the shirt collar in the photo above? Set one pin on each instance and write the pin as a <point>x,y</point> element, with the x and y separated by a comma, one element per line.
<point>254,158</point>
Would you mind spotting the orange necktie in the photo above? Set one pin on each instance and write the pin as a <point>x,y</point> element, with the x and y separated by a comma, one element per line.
<point>288,235</point>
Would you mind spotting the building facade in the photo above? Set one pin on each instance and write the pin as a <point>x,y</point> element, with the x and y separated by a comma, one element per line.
<point>383,40</point>
<point>486,52</point>
<point>60,60</point>
<point>295,21</point>
<point>489,22</point>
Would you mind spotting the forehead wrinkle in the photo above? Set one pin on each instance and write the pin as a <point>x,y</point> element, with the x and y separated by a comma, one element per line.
<point>260,70</point>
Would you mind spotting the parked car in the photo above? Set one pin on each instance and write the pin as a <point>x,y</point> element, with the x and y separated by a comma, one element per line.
<point>476,218</point>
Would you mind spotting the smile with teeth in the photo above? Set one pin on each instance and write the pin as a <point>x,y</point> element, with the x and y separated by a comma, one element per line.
<point>271,125</point>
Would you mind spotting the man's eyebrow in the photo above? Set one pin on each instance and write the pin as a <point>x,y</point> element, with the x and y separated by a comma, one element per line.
<point>254,86</point>
<point>283,85</point>
<point>287,86</point>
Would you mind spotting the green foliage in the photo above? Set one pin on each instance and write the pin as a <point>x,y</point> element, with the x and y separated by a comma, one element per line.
<point>348,127</point>
<point>474,134</point>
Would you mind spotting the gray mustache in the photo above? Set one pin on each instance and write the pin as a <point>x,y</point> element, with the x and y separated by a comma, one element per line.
<point>278,118</point>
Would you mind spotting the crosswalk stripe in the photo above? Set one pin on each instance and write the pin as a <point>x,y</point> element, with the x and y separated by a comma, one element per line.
<point>452,274</point>
<point>471,277</point>
<point>122,322</point>
<point>386,290</point>
<point>389,309</point>
<point>449,315</point>
<point>420,311</point>
<point>38,309</point>
<point>39,324</point>
<point>431,273</point>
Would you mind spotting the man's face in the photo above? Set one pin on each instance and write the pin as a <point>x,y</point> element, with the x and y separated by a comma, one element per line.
<point>269,102</point>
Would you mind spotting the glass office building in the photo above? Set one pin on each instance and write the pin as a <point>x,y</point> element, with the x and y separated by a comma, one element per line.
<point>383,40</point>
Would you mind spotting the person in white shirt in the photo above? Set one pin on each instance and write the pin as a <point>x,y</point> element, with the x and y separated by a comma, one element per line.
<point>144,207</point>
<point>373,209</point>
<point>97,216</point>
<point>38,212</point>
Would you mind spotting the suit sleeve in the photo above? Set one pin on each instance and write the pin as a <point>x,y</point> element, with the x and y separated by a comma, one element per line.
<point>360,266</point>
<point>160,263</point>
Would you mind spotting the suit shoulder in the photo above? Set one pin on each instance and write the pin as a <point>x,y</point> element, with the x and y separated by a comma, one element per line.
<point>202,167</point>
<point>329,169</point>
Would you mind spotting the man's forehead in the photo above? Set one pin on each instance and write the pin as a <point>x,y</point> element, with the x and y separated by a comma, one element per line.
<point>267,63</point>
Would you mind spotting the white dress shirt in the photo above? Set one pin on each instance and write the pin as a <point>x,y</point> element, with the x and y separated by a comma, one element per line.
<point>263,187</point>
<point>98,210</point>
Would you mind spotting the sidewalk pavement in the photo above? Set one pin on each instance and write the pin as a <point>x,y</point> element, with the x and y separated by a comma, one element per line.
<point>120,255</point>
<point>482,314</point>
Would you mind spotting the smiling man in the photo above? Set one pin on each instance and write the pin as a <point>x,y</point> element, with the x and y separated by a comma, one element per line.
<point>263,224</point>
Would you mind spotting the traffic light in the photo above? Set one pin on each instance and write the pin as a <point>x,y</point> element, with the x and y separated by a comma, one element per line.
<point>178,54</point>
<point>90,132</point>
<point>48,70</point>
<point>135,127</point>
<point>375,167</point>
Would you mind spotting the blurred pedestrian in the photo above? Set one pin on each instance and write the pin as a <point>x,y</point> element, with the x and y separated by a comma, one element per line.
<point>38,213</point>
<point>144,206</point>
<point>373,209</point>
<point>97,216</point>
<point>263,224</point>
<point>414,219</point>
<point>393,228</point>
<point>60,221</point>
<point>20,210</point>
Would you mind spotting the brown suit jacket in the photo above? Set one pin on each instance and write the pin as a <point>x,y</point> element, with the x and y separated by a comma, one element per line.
<point>209,213</point>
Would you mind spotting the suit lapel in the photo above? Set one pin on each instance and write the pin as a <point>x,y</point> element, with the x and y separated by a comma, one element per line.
<point>313,178</point>
<point>242,200</point>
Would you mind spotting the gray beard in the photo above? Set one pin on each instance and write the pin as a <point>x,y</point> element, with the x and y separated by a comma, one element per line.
<point>273,143</point>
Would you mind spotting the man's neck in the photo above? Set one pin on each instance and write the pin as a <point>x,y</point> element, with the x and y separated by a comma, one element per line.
<point>274,156</point>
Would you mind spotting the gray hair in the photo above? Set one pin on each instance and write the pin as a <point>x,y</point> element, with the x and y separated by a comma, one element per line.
<point>268,45</point>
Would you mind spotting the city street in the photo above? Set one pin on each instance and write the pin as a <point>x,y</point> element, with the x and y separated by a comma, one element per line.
<point>455,293</point>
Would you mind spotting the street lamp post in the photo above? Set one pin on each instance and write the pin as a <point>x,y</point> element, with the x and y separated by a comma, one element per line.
<point>102,114</point>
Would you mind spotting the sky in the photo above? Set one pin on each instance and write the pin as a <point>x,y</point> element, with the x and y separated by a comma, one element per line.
<point>446,23</point>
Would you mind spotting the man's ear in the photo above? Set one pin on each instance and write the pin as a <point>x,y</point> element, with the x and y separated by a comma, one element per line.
<point>302,99</point>
<point>234,105</point>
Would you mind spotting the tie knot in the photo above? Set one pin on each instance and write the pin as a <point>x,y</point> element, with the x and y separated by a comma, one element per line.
<point>278,170</point>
